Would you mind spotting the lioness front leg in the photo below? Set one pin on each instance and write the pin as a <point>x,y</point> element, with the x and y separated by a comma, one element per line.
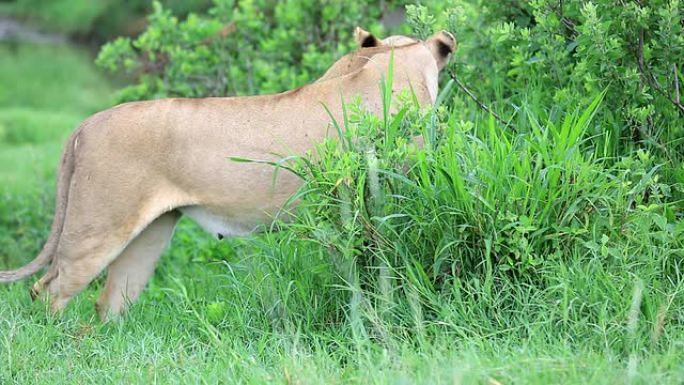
<point>128,275</point>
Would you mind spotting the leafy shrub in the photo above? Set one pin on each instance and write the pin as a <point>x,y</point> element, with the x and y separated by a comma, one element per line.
<point>237,48</point>
<point>480,212</point>
<point>482,198</point>
<point>558,54</point>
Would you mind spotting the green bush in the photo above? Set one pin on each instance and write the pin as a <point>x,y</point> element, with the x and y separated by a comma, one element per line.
<point>237,48</point>
<point>481,198</point>
<point>558,54</point>
<point>421,238</point>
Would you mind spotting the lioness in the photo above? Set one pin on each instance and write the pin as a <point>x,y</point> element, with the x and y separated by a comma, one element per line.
<point>128,173</point>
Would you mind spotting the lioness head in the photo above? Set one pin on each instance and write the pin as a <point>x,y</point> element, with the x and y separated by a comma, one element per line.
<point>442,44</point>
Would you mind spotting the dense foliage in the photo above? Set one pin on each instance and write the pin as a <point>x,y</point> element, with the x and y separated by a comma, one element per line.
<point>560,54</point>
<point>238,48</point>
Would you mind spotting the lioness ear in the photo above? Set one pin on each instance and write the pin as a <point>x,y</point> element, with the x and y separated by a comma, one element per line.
<point>365,39</point>
<point>442,45</point>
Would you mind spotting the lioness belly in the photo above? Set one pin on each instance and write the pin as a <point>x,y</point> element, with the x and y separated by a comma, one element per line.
<point>216,224</point>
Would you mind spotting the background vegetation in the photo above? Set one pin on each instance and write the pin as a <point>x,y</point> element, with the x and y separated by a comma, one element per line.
<point>92,20</point>
<point>542,243</point>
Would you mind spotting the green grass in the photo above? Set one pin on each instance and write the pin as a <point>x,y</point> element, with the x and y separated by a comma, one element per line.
<point>514,259</point>
<point>46,91</point>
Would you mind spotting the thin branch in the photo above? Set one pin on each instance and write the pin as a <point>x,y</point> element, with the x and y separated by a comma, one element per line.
<point>479,103</point>
<point>570,25</point>
<point>644,76</point>
<point>676,82</point>
<point>567,22</point>
<point>651,79</point>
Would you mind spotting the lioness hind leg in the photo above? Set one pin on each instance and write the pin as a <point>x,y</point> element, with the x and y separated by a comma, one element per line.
<point>87,245</point>
<point>129,273</point>
<point>78,263</point>
<point>39,286</point>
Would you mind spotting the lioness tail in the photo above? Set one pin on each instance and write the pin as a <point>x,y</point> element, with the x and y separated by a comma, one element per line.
<point>66,170</point>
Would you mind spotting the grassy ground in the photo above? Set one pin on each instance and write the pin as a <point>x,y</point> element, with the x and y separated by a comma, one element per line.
<point>273,310</point>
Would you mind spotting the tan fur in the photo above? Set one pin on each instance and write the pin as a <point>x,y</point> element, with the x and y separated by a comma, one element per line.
<point>129,172</point>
